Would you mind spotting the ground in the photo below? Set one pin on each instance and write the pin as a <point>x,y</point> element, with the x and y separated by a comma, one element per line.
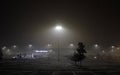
<point>41,67</point>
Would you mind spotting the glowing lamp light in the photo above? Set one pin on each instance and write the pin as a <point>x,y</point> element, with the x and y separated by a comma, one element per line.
<point>49,45</point>
<point>113,46</point>
<point>96,45</point>
<point>30,45</point>
<point>118,48</point>
<point>71,45</point>
<point>3,48</point>
<point>14,46</point>
<point>103,51</point>
<point>95,57</point>
<point>8,50</point>
<point>58,28</point>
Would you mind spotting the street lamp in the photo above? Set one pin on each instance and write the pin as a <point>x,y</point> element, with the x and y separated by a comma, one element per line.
<point>71,45</point>
<point>95,57</point>
<point>96,46</point>
<point>4,47</point>
<point>58,28</point>
<point>31,51</point>
<point>30,45</point>
<point>49,45</point>
<point>8,52</point>
<point>103,51</point>
<point>14,46</point>
<point>113,47</point>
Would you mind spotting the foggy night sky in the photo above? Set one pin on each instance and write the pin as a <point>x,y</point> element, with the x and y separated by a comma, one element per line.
<point>90,21</point>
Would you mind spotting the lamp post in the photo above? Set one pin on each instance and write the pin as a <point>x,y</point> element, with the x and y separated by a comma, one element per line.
<point>30,46</point>
<point>113,47</point>
<point>72,47</point>
<point>58,28</point>
<point>96,46</point>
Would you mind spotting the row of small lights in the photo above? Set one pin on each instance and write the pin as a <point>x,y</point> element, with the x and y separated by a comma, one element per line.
<point>96,46</point>
<point>71,45</point>
<point>49,45</point>
<point>30,46</point>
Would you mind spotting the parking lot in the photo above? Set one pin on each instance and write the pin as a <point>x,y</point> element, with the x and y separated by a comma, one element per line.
<point>37,67</point>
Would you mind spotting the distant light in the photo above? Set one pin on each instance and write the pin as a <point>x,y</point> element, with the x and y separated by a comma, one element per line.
<point>118,48</point>
<point>95,57</point>
<point>113,46</point>
<point>49,45</point>
<point>58,27</point>
<point>96,45</point>
<point>42,51</point>
<point>103,51</point>
<point>4,47</point>
<point>14,46</point>
<point>71,45</point>
<point>13,57</point>
<point>30,45</point>
<point>8,50</point>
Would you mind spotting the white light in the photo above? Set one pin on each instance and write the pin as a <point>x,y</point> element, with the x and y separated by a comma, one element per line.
<point>30,45</point>
<point>103,51</point>
<point>49,45</point>
<point>44,51</point>
<point>4,47</point>
<point>71,45</point>
<point>13,57</point>
<point>113,46</point>
<point>96,45</point>
<point>14,46</point>
<point>58,28</point>
<point>95,57</point>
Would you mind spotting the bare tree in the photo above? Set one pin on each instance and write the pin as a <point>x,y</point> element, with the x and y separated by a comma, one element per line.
<point>78,55</point>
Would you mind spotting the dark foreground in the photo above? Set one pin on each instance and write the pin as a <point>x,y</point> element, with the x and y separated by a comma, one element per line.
<point>35,67</point>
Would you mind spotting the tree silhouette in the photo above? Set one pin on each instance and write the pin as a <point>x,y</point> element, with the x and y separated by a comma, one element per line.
<point>78,55</point>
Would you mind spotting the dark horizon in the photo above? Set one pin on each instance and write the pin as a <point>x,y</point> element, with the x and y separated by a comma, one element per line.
<point>87,21</point>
